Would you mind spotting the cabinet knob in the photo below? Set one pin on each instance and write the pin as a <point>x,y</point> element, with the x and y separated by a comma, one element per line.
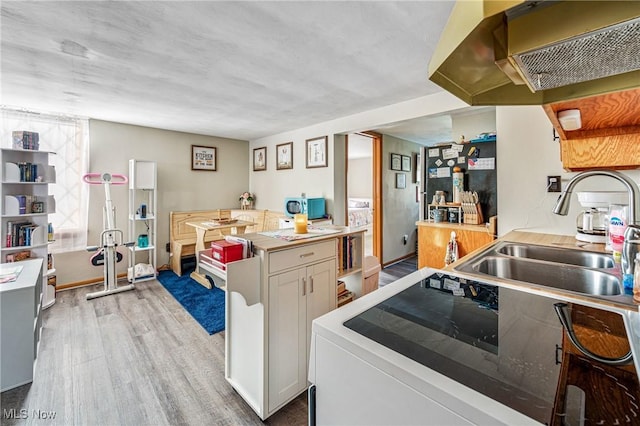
<point>304,287</point>
<point>306,254</point>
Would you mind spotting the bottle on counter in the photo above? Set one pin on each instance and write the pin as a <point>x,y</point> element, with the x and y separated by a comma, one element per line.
<point>636,278</point>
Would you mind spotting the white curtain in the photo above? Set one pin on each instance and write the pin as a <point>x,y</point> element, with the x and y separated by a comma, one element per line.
<point>68,138</point>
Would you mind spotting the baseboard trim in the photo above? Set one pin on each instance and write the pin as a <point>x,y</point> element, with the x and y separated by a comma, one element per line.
<point>84,283</point>
<point>400,259</point>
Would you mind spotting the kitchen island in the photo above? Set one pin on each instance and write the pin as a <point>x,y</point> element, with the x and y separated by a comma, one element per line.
<point>271,299</point>
<point>436,347</point>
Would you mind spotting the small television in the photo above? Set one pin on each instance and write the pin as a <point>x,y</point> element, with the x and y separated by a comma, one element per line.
<point>312,207</point>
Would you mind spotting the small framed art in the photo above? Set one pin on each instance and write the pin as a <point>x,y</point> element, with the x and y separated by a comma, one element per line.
<point>401,180</point>
<point>203,158</point>
<point>284,153</point>
<point>260,159</point>
<point>406,163</point>
<point>396,162</point>
<point>317,152</point>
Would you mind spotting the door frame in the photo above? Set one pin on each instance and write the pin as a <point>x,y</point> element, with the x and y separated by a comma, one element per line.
<point>376,140</point>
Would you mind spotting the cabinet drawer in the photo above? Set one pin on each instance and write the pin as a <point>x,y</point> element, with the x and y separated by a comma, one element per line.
<point>294,257</point>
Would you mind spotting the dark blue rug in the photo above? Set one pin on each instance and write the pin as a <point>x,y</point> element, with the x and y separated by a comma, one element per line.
<point>205,305</point>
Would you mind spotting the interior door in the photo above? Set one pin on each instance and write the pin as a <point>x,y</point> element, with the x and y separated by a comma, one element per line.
<point>364,182</point>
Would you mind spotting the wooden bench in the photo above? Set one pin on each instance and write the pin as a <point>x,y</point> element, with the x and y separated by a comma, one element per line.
<point>182,237</point>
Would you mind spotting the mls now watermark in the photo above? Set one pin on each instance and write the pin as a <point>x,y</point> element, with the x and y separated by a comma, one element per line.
<point>14,413</point>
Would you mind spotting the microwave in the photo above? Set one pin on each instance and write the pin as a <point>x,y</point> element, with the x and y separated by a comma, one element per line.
<point>312,207</point>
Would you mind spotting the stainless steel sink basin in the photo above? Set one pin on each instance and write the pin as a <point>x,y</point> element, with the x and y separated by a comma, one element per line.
<point>567,269</point>
<point>581,280</point>
<point>557,255</point>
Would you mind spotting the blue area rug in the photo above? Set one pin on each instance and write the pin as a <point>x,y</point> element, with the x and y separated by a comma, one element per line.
<point>205,305</point>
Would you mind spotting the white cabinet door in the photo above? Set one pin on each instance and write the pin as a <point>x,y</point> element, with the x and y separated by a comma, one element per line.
<point>295,299</point>
<point>321,295</point>
<point>287,336</point>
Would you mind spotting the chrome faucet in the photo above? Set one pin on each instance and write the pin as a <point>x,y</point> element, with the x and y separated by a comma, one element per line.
<point>632,234</point>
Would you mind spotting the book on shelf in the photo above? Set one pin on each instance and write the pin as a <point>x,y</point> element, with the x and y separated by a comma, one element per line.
<point>341,286</point>
<point>23,139</point>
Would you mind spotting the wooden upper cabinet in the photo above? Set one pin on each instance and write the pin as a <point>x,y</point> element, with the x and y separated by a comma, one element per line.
<point>610,133</point>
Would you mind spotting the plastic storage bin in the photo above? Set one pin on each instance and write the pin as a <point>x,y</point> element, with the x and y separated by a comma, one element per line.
<point>371,273</point>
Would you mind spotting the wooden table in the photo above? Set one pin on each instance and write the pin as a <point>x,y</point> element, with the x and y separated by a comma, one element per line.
<point>223,229</point>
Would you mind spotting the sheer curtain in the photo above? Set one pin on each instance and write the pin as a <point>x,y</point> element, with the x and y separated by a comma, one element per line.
<point>68,138</point>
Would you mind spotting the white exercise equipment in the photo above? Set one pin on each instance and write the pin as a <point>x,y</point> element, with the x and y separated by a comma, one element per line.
<point>110,238</point>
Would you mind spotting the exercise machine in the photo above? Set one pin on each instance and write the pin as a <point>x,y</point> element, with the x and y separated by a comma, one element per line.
<point>106,253</point>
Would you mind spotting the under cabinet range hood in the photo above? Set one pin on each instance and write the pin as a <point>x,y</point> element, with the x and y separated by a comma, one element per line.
<point>536,52</point>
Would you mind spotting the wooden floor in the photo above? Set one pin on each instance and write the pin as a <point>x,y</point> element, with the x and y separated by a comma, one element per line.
<point>398,270</point>
<point>137,358</point>
<point>134,358</point>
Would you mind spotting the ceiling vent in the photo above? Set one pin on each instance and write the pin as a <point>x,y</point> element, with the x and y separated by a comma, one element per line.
<point>538,52</point>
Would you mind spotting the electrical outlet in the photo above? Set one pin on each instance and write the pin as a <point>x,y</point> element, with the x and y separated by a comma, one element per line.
<point>553,184</point>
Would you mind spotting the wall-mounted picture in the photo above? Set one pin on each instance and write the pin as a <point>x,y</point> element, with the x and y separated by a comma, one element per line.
<point>317,152</point>
<point>406,163</point>
<point>284,156</point>
<point>401,180</point>
<point>417,169</point>
<point>396,162</point>
<point>203,158</point>
<point>260,159</point>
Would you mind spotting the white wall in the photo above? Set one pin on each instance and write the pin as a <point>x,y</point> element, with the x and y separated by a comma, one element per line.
<point>359,177</point>
<point>526,156</point>
<point>272,186</point>
<point>179,187</point>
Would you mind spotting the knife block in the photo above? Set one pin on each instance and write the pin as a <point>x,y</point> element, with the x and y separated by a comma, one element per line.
<point>472,213</point>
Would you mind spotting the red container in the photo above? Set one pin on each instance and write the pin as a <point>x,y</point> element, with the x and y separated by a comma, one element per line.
<point>224,251</point>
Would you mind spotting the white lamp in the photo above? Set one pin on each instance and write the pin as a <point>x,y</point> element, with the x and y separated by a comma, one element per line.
<point>570,119</point>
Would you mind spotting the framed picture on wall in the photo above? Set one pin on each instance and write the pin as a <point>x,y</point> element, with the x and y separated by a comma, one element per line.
<point>406,163</point>
<point>317,152</point>
<point>260,159</point>
<point>416,168</point>
<point>401,180</point>
<point>396,162</point>
<point>203,158</point>
<point>284,156</point>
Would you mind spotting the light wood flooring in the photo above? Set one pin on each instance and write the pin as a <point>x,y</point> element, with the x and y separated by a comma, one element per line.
<point>133,358</point>
<point>137,358</point>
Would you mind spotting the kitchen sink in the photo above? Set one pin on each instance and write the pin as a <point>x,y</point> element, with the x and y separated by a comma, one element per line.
<point>567,269</point>
<point>557,275</point>
<point>559,255</point>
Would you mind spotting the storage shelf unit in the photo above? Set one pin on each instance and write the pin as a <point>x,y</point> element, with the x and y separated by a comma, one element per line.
<point>26,176</point>
<point>142,191</point>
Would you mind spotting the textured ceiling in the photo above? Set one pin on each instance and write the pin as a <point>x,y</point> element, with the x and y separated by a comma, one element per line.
<point>241,69</point>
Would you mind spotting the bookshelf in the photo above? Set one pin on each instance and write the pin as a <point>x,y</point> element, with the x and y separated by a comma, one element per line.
<point>350,249</point>
<point>142,220</point>
<point>25,206</point>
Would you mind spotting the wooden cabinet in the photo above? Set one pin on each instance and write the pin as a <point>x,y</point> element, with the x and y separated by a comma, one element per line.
<point>434,237</point>
<point>295,299</point>
<point>20,324</point>
<point>609,136</point>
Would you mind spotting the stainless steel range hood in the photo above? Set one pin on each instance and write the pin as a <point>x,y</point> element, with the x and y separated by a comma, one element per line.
<point>537,52</point>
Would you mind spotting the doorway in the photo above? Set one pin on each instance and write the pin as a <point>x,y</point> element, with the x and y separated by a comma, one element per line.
<point>363,188</point>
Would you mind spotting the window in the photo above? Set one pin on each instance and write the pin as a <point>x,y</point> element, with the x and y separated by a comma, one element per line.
<point>68,137</point>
